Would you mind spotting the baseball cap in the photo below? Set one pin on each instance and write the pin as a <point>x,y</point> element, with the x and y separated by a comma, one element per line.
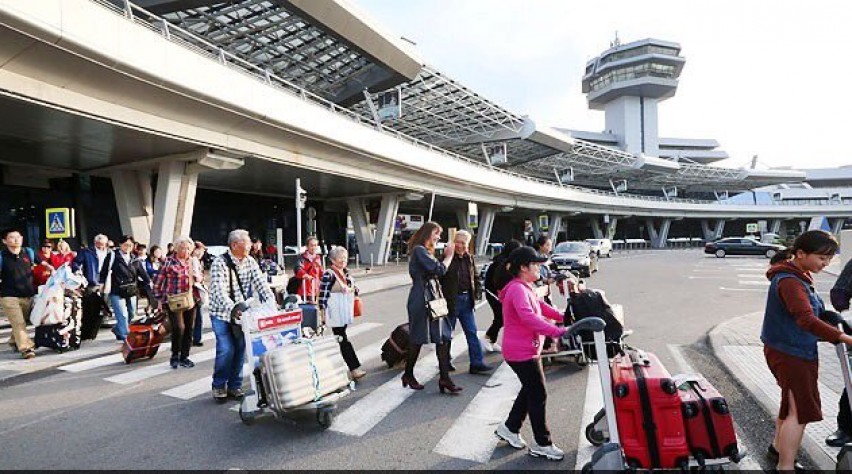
<point>524,256</point>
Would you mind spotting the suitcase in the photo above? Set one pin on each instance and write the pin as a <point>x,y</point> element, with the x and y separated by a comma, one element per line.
<point>93,315</point>
<point>310,315</point>
<point>708,421</point>
<point>648,413</point>
<point>395,348</point>
<point>64,336</point>
<point>302,372</point>
<point>143,341</point>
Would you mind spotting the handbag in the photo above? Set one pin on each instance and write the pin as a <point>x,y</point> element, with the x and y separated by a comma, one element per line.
<point>183,301</point>
<point>127,290</point>
<point>436,304</point>
<point>357,304</point>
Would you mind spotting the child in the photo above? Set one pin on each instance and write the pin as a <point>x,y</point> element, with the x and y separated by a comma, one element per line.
<point>791,329</point>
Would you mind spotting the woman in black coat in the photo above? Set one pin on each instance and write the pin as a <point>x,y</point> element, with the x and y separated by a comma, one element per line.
<point>423,267</point>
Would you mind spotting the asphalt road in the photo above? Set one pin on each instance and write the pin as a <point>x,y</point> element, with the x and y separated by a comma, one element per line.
<point>83,421</point>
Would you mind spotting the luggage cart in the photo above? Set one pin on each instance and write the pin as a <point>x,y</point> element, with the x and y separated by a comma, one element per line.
<point>267,332</point>
<point>603,430</point>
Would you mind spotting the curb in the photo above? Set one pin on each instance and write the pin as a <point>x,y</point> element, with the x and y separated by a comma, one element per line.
<point>717,338</point>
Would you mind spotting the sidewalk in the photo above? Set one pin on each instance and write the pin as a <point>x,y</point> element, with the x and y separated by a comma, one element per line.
<point>737,344</point>
<point>11,364</point>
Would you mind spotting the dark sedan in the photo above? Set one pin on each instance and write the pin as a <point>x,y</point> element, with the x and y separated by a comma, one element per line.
<point>738,246</point>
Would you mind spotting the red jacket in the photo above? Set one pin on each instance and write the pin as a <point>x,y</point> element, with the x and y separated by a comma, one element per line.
<point>309,266</point>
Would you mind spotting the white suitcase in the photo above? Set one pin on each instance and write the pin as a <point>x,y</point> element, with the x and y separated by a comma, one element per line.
<point>303,372</point>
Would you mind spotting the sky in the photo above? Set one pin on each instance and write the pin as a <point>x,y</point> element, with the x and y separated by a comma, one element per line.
<point>766,78</point>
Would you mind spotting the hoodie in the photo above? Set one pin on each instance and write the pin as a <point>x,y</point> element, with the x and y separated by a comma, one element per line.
<point>524,322</point>
<point>791,322</point>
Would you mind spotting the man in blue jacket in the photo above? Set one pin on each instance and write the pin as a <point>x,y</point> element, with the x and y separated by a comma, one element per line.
<point>90,261</point>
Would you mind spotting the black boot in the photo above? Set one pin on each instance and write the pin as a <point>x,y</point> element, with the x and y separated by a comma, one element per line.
<point>445,383</point>
<point>411,356</point>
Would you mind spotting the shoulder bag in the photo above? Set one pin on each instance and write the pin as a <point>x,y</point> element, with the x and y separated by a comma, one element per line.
<point>183,301</point>
<point>357,305</point>
<point>436,304</point>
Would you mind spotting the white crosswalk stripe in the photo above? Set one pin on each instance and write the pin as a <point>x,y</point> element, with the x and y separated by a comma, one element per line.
<point>113,359</point>
<point>369,411</point>
<point>593,404</point>
<point>472,435</point>
<point>147,372</point>
<point>201,386</point>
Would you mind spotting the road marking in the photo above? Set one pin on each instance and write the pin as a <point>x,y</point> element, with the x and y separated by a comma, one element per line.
<point>203,385</point>
<point>147,372</point>
<point>755,282</point>
<point>112,359</point>
<point>472,435</point>
<point>593,404</point>
<point>757,290</point>
<point>367,412</point>
<point>702,277</point>
<point>745,464</point>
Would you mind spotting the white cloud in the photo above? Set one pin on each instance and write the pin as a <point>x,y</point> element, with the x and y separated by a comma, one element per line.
<point>762,77</point>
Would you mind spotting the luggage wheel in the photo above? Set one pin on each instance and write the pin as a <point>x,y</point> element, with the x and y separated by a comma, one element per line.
<point>587,468</point>
<point>247,417</point>
<point>325,416</point>
<point>594,436</point>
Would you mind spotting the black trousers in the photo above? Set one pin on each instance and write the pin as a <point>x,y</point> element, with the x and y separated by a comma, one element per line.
<point>346,349</point>
<point>497,308</point>
<point>181,333</point>
<point>531,400</point>
<point>844,416</point>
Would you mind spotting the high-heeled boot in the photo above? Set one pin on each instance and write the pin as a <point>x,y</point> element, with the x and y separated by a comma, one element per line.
<point>444,382</point>
<point>408,379</point>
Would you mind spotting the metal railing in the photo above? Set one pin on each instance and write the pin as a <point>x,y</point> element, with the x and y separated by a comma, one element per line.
<point>200,45</point>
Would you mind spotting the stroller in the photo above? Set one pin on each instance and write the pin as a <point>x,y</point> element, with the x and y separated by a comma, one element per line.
<point>57,311</point>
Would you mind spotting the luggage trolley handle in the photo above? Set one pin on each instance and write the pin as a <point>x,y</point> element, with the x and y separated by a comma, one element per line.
<point>597,325</point>
<point>843,353</point>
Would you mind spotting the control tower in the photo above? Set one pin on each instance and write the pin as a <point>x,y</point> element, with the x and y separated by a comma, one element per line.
<point>627,81</point>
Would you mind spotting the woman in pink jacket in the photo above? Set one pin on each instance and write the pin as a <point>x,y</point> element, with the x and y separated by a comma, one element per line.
<point>525,318</point>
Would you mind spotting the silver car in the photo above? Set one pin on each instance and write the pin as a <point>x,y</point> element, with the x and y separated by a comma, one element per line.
<point>576,257</point>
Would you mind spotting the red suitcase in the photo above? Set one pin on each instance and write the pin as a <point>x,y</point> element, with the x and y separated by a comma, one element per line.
<point>144,338</point>
<point>708,421</point>
<point>648,413</point>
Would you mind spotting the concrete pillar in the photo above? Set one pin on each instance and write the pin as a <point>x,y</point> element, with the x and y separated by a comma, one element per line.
<point>715,232</point>
<point>483,231</point>
<point>462,216</point>
<point>837,225</point>
<point>174,203</point>
<point>375,245</point>
<point>775,226</point>
<point>845,247</point>
<point>658,236</point>
<point>597,232</point>
<point>135,202</point>
<point>555,226</point>
<point>611,227</point>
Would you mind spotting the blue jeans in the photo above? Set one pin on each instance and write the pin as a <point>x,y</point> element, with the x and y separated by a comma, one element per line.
<point>464,314</point>
<point>230,355</point>
<point>196,329</point>
<point>124,310</point>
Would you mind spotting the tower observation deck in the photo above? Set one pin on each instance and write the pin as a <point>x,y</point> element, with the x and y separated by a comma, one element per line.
<point>627,81</point>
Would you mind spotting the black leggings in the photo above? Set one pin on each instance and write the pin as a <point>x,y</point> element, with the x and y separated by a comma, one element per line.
<point>346,349</point>
<point>844,416</point>
<point>181,333</point>
<point>496,308</point>
<point>531,400</point>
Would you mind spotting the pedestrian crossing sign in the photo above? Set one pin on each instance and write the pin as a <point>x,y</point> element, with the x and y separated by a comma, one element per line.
<point>59,222</point>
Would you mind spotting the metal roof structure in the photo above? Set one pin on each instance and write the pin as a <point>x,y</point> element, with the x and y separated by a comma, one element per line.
<point>280,37</point>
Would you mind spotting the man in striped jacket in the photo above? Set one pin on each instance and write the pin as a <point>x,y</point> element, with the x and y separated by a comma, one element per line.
<point>234,278</point>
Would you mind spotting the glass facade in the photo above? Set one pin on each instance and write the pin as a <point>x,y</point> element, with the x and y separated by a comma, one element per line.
<point>647,49</point>
<point>632,72</point>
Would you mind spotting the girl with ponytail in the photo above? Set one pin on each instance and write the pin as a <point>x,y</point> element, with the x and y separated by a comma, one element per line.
<point>791,329</point>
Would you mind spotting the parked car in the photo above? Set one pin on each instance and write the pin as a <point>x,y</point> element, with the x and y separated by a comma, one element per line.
<point>741,246</point>
<point>576,257</point>
<point>602,247</point>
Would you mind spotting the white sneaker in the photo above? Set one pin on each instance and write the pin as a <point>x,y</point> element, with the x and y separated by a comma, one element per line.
<point>514,439</point>
<point>551,452</point>
<point>496,348</point>
<point>357,373</point>
<point>486,345</point>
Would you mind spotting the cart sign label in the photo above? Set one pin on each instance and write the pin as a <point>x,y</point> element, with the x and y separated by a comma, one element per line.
<point>280,320</point>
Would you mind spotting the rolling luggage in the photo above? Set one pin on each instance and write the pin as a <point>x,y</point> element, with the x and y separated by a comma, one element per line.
<point>396,347</point>
<point>62,336</point>
<point>708,421</point>
<point>648,413</point>
<point>310,315</point>
<point>302,372</point>
<point>144,338</point>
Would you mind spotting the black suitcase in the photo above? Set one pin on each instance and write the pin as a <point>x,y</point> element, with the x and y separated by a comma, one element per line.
<point>49,335</point>
<point>310,315</point>
<point>93,315</point>
<point>395,348</point>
